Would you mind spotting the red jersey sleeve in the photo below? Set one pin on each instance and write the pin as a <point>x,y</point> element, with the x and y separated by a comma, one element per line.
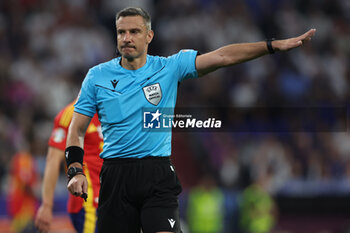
<point>61,123</point>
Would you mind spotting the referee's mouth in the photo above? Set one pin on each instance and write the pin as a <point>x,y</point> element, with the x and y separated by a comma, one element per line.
<point>128,47</point>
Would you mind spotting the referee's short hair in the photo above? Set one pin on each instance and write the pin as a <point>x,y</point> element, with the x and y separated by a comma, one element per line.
<point>134,11</point>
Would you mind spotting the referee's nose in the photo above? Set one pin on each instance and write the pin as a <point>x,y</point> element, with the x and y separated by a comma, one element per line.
<point>127,37</point>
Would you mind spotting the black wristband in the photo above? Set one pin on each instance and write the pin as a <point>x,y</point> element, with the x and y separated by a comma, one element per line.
<point>74,154</point>
<point>269,45</point>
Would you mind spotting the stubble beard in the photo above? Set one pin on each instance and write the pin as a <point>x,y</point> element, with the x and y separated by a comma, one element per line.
<point>130,57</point>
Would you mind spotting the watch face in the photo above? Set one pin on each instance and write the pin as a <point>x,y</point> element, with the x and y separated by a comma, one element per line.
<point>72,171</point>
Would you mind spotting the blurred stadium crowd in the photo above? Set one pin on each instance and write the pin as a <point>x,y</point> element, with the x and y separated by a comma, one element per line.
<point>47,46</point>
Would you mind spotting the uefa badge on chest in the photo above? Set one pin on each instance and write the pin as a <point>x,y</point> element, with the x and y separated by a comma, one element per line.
<point>153,93</point>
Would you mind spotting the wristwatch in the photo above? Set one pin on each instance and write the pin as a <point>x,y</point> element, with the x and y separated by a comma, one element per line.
<point>269,45</point>
<point>73,171</point>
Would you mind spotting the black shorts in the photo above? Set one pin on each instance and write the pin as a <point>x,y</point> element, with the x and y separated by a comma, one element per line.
<point>138,193</point>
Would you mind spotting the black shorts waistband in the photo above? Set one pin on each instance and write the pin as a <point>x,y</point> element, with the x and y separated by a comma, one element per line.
<point>131,160</point>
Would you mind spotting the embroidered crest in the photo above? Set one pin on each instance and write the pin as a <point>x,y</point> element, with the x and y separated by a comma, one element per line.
<point>153,93</point>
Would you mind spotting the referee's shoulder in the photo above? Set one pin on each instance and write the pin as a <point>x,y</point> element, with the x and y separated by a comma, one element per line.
<point>104,65</point>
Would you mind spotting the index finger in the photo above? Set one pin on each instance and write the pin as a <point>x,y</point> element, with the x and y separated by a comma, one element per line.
<point>307,34</point>
<point>85,186</point>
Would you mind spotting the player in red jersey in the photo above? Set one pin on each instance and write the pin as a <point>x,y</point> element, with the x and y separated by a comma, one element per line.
<point>83,214</point>
<point>21,200</point>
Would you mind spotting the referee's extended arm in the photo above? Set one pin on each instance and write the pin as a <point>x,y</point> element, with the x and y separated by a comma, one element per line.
<point>77,184</point>
<point>237,53</point>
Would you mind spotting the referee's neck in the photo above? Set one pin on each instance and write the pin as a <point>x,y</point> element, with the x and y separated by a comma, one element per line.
<point>133,63</point>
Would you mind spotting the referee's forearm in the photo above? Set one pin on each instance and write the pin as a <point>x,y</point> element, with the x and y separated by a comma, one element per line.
<point>77,129</point>
<point>75,137</point>
<point>238,53</point>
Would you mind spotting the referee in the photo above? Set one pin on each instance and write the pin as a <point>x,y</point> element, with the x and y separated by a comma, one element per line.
<point>139,186</point>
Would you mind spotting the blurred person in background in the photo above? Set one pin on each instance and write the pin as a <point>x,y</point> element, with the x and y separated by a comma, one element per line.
<point>258,211</point>
<point>21,200</point>
<point>205,207</point>
<point>127,199</point>
<point>83,214</point>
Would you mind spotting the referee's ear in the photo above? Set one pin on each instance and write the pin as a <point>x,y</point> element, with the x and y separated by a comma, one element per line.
<point>150,35</point>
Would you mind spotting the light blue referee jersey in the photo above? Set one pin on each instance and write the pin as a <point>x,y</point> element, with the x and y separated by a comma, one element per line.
<point>119,96</point>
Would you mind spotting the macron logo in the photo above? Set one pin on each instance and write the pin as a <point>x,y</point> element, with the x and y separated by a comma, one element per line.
<point>172,222</point>
<point>67,154</point>
<point>114,83</point>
